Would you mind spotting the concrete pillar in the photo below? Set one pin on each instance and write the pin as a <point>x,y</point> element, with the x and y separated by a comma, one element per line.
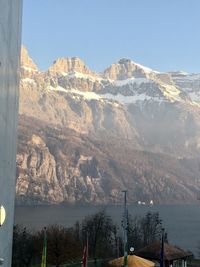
<point>10,45</point>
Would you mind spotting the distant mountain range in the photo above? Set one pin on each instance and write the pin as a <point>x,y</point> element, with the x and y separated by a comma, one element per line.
<point>85,136</point>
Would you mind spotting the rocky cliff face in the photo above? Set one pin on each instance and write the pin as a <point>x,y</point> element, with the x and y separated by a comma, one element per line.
<point>27,63</point>
<point>72,65</point>
<point>63,166</point>
<point>89,130</point>
<point>37,173</point>
<point>125,69</point>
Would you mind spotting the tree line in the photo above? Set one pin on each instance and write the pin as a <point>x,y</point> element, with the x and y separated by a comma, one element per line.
<point>65,245</point>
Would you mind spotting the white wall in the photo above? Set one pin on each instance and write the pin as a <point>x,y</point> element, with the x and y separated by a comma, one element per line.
<point>10,43</point>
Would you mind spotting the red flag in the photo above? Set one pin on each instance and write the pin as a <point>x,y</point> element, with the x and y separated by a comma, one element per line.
<point>85,255</point>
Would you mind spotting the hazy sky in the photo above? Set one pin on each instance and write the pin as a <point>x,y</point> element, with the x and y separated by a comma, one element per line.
<point>161,34</point>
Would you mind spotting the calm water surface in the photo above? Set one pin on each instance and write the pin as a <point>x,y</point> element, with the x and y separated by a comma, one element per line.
<point>182,222</point>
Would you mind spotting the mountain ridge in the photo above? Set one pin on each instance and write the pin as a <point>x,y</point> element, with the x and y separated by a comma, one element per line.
<point>140,110</point>
<point>123,72</point>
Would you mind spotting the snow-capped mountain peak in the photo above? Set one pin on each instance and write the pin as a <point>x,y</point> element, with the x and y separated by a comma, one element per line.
<point>71,65</point>
<point>26,62</point>
<point>125,69</point>
<point>125,79</point>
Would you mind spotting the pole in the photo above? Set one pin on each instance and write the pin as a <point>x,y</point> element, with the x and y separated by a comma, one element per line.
<point>162,249</point>
<point>87,250</point>
<point>125,229</point>
<point>44,251</point>
<point>118,247</point>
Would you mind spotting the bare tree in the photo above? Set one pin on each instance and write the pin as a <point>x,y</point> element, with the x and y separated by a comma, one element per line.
<point>61,245</point>
<point>23,247</point>
<point>101,232</point>
<point>144,230</point>
<point>135,235</point>
<point>151,227</point>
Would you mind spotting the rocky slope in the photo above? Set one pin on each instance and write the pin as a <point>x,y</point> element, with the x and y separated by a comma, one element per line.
<point>83,135</point>
<point>63,166</point>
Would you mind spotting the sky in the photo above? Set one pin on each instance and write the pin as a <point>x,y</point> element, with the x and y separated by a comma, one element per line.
<point>161,34</point>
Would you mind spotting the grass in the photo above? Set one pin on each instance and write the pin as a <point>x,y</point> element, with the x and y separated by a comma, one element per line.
<point>194,263</point>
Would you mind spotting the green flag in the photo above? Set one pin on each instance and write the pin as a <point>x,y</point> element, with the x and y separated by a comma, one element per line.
<point>126,255</point>
<point>44,251</point>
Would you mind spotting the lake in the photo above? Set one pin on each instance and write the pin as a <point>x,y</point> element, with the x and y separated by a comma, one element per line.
<point>182,222</point>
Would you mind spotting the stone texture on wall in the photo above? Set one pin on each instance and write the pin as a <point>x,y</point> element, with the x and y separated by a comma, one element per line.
<point>10,43</point>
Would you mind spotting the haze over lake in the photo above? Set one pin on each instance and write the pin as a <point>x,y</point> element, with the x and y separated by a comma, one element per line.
<point>182,222</point>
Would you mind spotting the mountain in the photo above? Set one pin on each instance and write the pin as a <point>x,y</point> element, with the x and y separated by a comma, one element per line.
<point>85,136</point>
<point>189,83</point>
<point>63,166</point>
<point>27,64</point>
<point>64,66</point>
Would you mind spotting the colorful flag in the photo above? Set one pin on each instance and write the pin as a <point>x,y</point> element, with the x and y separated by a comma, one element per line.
<point>85,254</point>
<point>44,251</point>
<point>125,228</point>
<point>162,250</point>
